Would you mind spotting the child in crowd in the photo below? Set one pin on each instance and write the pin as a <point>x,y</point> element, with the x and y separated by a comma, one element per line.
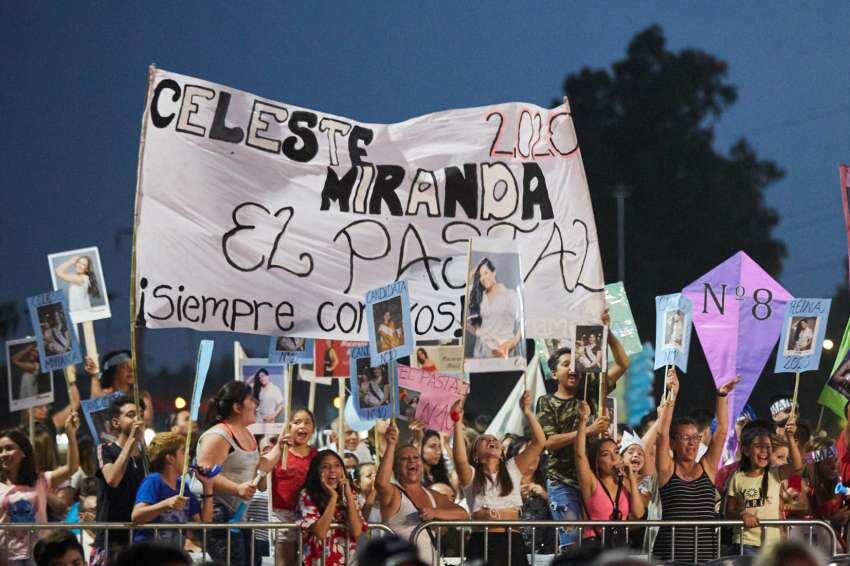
<point>754,490</point>
<point>367,492</point>
<point>158,499</point>
<point>24,491</point>
<point>287,481</point>
<point>327,498</point>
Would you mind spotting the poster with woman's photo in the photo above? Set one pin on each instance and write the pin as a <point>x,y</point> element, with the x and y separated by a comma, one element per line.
<point>55,334</point>
<point>97,414</point>
<point>371,387</point>
<point>408,401</point>
<point>331,357</point>
<point>80,275</point>
<point>840,378</point>
<point>388,319</point>
<point>494,336</point>
<point>268,386</point>
<point>28,386</point>
<point>590,345</point>
<point>673,315</point>
<point>443,356</point>
<point>289,350</point>
<point>803,330</point>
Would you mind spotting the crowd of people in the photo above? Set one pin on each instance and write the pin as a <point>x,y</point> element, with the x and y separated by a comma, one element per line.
<point>569,465</point>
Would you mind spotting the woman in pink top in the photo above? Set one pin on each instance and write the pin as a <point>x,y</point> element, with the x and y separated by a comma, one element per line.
<point>23,492</point>
<point>609,488</point>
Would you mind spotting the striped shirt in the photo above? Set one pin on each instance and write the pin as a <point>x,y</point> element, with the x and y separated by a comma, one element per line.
<point>685,501</point>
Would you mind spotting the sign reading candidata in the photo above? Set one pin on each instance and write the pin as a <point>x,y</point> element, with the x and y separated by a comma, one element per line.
<point>259,216</point>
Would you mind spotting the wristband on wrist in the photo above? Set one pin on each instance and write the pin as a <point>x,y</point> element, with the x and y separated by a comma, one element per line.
<point>719,394</point>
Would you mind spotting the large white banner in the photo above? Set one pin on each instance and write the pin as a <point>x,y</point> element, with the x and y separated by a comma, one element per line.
<point>259,216</point>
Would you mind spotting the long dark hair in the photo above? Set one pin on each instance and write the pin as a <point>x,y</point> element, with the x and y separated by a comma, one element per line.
<point>593,449</point>
<point>313,482</point>
<point>503,478</point>
<point>824,488</point>
<point>438,473</point>
<point>26,473</point>
<point>257,386</point>
<point>107,376</point>
<point>476,295</point>
<point>749,434</point>
<point>220,407</point>
<point>94,291</point>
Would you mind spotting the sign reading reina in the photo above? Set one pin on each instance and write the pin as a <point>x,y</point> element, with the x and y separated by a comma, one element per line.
<point>263,217</point>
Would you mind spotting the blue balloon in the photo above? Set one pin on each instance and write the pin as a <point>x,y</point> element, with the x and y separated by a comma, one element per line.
<point>354,421</point>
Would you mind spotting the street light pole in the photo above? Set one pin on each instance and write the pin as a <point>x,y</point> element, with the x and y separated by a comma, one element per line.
<point>621,193</point>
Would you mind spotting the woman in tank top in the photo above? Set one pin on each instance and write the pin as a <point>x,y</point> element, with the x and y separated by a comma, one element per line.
<point>407,503</point>
<point>231,445</point>
<point>687,485</point>
<point>492,485</point>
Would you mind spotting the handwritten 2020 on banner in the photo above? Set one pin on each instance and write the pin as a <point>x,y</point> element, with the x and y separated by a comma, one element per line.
<point>259,216</point>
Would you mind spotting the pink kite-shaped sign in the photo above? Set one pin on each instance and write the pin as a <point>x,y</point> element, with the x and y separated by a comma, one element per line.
<point>738,311</point>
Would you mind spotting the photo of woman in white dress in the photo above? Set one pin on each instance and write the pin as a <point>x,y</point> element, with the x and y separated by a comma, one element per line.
<point>494,314</point>
<point>78,272</point>
<point>26,360</point>
<point>802,335</point>
<point>269,397</point>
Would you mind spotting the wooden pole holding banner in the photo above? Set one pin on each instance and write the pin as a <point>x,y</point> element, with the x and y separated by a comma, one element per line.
<point>311,396</point>
<point>820,420</point>
<point>186,458</point>
<point>341,424</point>
<point>796,389</point>
<point>393,382</point>
<point>91,343</point>
<point>202,366</point>
<point>31,426</point>
<point>286,411</point>
<point>136,319</point>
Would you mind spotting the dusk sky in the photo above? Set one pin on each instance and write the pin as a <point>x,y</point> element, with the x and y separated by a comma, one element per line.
<point>74,84</point>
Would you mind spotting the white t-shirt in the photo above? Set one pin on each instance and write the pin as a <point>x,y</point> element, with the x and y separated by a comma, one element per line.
<point>491,498</point>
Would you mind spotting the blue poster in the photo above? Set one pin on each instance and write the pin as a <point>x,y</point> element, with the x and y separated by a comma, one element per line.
<point>96,412</point>
<point>801,341</point>
<point>202,366</point>
<point>55,334</point>
<point>388,317</point>
<point>289,350</point>
<point>673,316</point>
<point>371,387</point>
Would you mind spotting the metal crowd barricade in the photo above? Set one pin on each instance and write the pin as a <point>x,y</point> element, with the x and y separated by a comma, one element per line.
<point>437,527</point>
<point>181,528</point>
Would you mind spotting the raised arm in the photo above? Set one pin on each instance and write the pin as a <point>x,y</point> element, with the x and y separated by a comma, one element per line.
<point>62,473</point>
<point>62,272</point>
<point>60,416</point>
<point>355,521</point>
<point>464,470</point>
<point>649,440</point>
<point>19,359</point>
<point>795,462</point>
<point>637,502</point>
<point>586,477</point>
<point>387,493</point>
<point>663,461</point>
<point>621,359</point>
<point>721,410</point>
<point>528,459</point>
<point>93,370</point>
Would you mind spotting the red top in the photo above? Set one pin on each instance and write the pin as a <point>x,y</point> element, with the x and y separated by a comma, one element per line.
<point>287,483</point>
<point>843,458</point>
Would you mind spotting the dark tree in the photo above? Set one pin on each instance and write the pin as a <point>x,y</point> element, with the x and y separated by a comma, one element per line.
<point>648,124</point>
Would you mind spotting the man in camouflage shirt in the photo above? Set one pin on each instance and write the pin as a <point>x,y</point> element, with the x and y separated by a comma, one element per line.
<point>558,415</point>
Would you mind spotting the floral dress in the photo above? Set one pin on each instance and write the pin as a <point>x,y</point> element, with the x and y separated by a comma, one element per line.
<point>335,541</point>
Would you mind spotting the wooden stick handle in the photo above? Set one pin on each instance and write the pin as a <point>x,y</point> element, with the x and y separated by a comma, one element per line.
<point>186,459</point>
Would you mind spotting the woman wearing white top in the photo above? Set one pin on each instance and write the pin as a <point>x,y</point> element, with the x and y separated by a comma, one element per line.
<point>492,486</point>
<point>82,283</point>
<point>407,503</point>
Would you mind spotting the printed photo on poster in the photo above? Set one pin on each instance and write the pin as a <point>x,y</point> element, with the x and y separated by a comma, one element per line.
<point>55,334</point>
<point>840,380</point>
<point>444,356</point>
<point>97,414</point>
<point>800,338</point>
<point>611,411</point>
<point>388,319</point>
<point>289,350</point>
<point>589,349</point>
<point>494,338</point>
<point>28,386</point>
<point>674,329</point>
<point>268,385</point>
<point>371,386</point>
<point>304,372</point>
<point>80,275</point>
<point>331,358</point>
<point>408,401</point>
